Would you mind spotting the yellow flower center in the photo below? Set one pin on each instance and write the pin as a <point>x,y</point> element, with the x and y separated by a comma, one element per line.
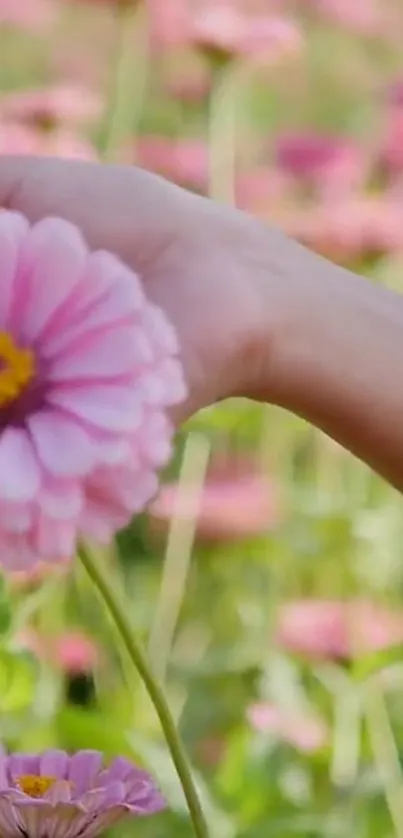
<point>17,368</point>
<point>33,785</point>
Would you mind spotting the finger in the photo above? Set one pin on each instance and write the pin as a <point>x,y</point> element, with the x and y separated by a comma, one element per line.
<point>118,208</point>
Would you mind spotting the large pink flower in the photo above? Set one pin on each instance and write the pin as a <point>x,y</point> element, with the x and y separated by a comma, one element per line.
<point>88,368</point>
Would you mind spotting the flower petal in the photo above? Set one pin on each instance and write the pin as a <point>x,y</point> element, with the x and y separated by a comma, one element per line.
<point>109,407</point>
<point>53,261</point>
<point>83,769</point>
<point>63,446</point>
<point>19,469</point>
<point>13,228</point>
<point>54,763</point>
<point>110,293</point>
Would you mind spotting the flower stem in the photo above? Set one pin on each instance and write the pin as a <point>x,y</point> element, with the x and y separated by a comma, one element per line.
<point>223,130</point>
<point>118,611</point>
<point>130,65</point>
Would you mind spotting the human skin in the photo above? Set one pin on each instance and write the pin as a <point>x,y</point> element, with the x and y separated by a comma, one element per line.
<point>257,314</point>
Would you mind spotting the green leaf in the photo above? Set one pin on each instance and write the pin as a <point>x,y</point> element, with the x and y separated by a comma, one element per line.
<point>370,664</point>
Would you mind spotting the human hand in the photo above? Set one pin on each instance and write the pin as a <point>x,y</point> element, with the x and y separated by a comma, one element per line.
<point>194,256</point>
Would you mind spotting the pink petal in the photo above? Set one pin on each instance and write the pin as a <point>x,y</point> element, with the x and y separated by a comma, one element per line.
<point>13,228</point>
<point>16,517</point>
<point>161,331</point>
<point>54,258</point>
<point>63,446</point>
<point>109,407</point>
<point>54,763</point>
<point>61,499</point>
<point>84,766</point>
<point>166,386</point>
<point>109,293</point>
<point>103,354</point>
<point>17,552</point>
<point>54,540</point>
<point>19,469</point>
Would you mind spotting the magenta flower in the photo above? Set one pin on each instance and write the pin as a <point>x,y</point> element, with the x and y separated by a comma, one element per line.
<point>55,794</point>
<point>88,369</point>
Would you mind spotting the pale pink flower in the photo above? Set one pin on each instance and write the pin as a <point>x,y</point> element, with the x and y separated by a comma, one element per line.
<point>73,652</point>
<point>89,367</point>
<point>233,506</point>
<point>20,139</point>
<point>223,29</point>
<point>262,190</point>
<point>183,161</point>
<point>350,228</point>
<point>365,17</point>
<point>34,15</point>
<point>326,629</point>
<point>58,105</point>
<point>168,22</point>
<point>303,731</point>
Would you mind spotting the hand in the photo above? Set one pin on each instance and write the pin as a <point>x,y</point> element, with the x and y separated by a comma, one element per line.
<point>193,255</point>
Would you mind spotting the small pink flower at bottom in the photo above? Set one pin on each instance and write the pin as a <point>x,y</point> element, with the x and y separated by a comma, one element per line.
<point>306,733</point>
<point>88,368</point>
<point>65,796</point>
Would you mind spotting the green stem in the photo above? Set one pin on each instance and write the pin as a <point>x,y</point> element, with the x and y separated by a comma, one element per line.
<point>130,64</point>
<point>118,611</point>
<point>224,129</point>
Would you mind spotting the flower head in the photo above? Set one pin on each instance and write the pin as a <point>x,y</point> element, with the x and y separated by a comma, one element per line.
<point>51,106</point>
<point>55,794</point>
<point>234,504</point>
<point>87,369</point>
<point>332,629</point>
<point>305,732</point>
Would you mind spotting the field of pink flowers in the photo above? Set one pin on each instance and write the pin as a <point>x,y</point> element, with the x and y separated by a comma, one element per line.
<point>266,578</point>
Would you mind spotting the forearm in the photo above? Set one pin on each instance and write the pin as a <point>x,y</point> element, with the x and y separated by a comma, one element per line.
<point>335,356</point>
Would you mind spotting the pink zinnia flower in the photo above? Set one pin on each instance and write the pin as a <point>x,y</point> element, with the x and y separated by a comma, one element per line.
<point>88,368</point>
<point>51,106</point>
<point>305,732</point>
<point>223,29</point>
<point>350,228</point>
<point>73,652</point>
<point>323,629</point>
<point>21,139</point>
<point>183,161</point>
<point>330,165</point>
<point>34,15</point>
<point>233,505</point>
<point>67,796</point>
